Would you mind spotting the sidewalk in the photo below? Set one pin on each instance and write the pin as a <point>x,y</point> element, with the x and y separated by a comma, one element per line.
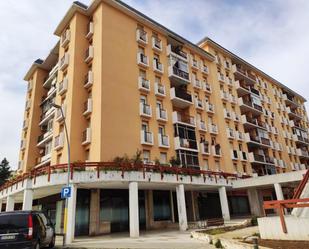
<point>148,240</point>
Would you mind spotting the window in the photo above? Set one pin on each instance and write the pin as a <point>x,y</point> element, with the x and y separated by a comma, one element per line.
<point>163,157</point>
<point>217,165</point>
<point>146,155</point>
<point>206,164</point>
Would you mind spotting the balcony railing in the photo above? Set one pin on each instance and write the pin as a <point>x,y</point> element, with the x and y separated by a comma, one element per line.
<point>256,139</point>
<point>250,104</point>
<point>90,30</point>
<point>64,61</point>
<point>87,107</point>
<point>202,125</point>
<point>142,60</point>
<point>184,119</point>
<point>185,143</point>
<point>141,36</point>
<point>181,94</point>
<point>88,79</point>
<point>146,137</point>
<point>89,54</point>
<point>176,50</point>
<point>156,44</point>
<point>63,86</point>
<point>159,89</point>
<point>161,114</point>
<point>205,148</point>
<point>175,71</point>
<point>59,141</point>
<point>163,141</point>
<point>158,66</point>
<point>86,136</point>
<point>65,38</point>
<point>254,122</point>
<point>143,84</point>
<point>145,110</point>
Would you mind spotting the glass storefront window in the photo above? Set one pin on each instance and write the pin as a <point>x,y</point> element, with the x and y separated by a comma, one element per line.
<point>161,206</point>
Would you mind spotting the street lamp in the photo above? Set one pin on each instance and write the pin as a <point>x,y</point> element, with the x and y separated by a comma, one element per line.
<point>58,107</point>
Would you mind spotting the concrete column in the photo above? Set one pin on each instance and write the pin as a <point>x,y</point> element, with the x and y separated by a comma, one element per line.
<point>133,210</point>
<point>10,201</point>
<point>0,205</point>
<point>94,219</point>
<point>278,190</point>
<point>224,204</point>
<point>255,202</point>
<point>71,215</point>
<point>181,204</point>
<point>28,199</point>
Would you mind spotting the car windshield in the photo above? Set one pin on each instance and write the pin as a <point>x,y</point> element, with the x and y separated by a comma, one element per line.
<point>13,222</point>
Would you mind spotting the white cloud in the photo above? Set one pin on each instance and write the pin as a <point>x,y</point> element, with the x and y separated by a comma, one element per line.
<point>273,35</point>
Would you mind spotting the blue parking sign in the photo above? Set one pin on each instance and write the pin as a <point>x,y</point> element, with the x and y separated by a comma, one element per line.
<point>66,192</point>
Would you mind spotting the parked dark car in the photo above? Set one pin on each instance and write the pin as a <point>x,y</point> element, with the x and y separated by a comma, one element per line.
<point>26,230</point>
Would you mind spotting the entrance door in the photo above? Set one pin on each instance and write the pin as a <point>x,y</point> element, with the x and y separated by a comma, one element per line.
<point>82,212</point>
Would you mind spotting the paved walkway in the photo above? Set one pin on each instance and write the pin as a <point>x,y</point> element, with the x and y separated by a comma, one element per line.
<point>149,240</point>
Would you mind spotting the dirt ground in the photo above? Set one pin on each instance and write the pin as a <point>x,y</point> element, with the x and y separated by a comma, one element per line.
<point>284,244</point>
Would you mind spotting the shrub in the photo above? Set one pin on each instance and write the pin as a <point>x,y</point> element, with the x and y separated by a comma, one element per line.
<point>218,244</point>
<point>254,221</point>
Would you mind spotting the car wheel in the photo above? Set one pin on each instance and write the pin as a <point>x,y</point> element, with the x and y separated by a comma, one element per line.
<point>52,243</point>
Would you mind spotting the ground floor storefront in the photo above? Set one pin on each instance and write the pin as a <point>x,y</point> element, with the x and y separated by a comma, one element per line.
<point>105,211</point>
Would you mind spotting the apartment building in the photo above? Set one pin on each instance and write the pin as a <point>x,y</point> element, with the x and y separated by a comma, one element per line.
<point>125,84</point>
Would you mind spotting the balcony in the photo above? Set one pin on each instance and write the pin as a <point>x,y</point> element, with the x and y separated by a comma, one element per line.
<point>227,65</point>
<point>230,133</point>
<point>300,139</point>
<point>227,114</point>
<point>240,136</point>
<point>59,141</point>
<point>229,81</point>
<point>205,69</point>
<point>63,86</point>
<point>65,38</point>
<point>64,62</point>
<point>47,115</point>
<point>216,150</point>
<point>163,141</point>
<point>252,123</point>
<point>243,89</point>
<point>180,98</point>
<point>248,106</point>
<point>206,87</point>
<point>236,117</point>
<point>178,118</point>
<point>28,104</point>
<point>86,136</point>
<point>290,100</point>
<point>185,144</point>
<point>243,156</point>
<point>260,159</point>
<point>302,153</point>
<point>210,108</point>
<point>143,84</point>
<point>205,150</point>
<point>145,110</point>
<point>293,114</point>
<point>196,83</point>
<point>90,30</point>
<point>160,90</point>
<point>146,138</point>
<point>25,124</point>
<point>87,107</point>
<point>201,125</point>
<point>23,144</point>
<point>213,129</point>
<point>88,79</point>
<point>44,160</point>
<point>29,86</point>
<point>142,60</point>
<point>225,96</point>
<point>51,79</point>
<point>141,36</point>
<point>161,114</point>
<point>199,104</point>
<point>257,141</point>
<point>178,75</point>
<point>156,44</point>
<point>221,77</point>
<point>242,74</point>
<point>234,154</point>
<point>157,66</point>
<point>89,54</point>
<point>59,116</point>
<point>177,52</point>
<point>46,137</point>
<point>194,64</point>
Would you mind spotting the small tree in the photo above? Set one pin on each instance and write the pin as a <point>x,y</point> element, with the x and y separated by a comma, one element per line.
<point>5,171</point>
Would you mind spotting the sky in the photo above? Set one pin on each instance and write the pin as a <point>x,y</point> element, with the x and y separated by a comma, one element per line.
<point>272,35</point>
